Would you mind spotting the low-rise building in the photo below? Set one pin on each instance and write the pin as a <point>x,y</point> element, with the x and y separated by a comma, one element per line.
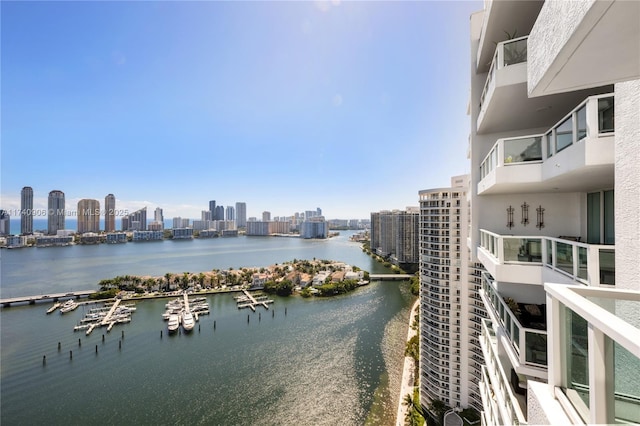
<point>116,237</point>
<point>148,235</point>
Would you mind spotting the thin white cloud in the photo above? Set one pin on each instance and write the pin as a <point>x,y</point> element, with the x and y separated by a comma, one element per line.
<point>337,100</point>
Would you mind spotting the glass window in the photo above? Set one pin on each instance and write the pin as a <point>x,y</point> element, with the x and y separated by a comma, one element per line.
<point>593,218</point>
<point>521,150</point>
<point>515,52</point>
<point>564,257</point>
<point>607,259</point>
<point>582,263</point>
<point>609,231</point>
<point>605,115</point>
<point>576,352</point>
<point>581,117</point>
<point>564,134</point>
<point>549,139</point>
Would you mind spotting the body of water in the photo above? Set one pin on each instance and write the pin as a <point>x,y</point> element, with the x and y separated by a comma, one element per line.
<point>326,361</point>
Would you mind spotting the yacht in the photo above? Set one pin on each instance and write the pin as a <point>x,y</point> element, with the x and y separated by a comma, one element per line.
<point>187,321</point>
<point>174,323</point>
<point>68,306</point>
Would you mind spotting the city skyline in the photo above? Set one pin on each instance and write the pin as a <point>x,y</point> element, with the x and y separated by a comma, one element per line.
<point>228,108</point>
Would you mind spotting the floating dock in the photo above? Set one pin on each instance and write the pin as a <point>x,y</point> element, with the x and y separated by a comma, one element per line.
<point>248,301</point>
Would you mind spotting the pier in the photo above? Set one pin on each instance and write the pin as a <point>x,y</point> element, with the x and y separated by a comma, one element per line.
<point>248,301</point>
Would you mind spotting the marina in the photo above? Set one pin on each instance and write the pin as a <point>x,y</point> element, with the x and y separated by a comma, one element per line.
<point>106,317</point>
<point>249,301</point>
<point>184,311</point>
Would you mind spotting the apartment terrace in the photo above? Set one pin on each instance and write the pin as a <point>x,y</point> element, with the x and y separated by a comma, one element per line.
<point>505,256</point>
<point>575,154</point>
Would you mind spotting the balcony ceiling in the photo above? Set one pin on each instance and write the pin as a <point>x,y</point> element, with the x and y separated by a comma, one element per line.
<point>604,49</point>
<point>510,109</point>
<point>502,16</point>
<point>585,179</point>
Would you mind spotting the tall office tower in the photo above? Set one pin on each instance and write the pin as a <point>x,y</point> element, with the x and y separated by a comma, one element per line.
<point>554,196</point>
<point>212,208</point>
<point>88,216</point>
<point>444,292</point>
<point>241,214</point>
<point>26,210</point>
<point>318,211</point>
<point>56,218</point>
<point>110,213</point>
<point>5,223</point>
<point>158,215</point>
<point>266,216</point>
<point>230,213</point>
<point>219,214</point>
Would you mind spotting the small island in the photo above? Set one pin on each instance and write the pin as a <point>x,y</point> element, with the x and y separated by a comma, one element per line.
<point>307,277</point>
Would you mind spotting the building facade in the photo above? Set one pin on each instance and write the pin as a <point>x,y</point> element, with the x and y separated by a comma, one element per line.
<point>88,216</point>
<point>554,198</point>
<point>26,210</point>
<point>230,213</point>
<point>56,214</point>
<point>5,223</point>
<point>110,213</point>
<point>241,214</point>
<point>315,227</point>
<point>446,341</point>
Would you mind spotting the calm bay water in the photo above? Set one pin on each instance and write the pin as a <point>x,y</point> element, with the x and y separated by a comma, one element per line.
<point>327,361</point>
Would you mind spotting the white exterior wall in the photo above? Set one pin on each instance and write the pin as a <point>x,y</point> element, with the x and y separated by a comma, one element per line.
<point>561,19</point>
<point>627,186</point>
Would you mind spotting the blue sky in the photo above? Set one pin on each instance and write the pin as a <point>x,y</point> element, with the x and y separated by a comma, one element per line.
<point>288,106</point>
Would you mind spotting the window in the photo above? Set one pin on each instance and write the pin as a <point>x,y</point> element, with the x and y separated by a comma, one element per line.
<point>564,134</point>
<point>581,116</point>
<point>605,115</point>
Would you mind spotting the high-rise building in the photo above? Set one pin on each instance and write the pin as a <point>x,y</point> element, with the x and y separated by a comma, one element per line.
<point>219,214</point>
<point>205,215</point>
<point>444,295</point>
<point>554,198</point>
<point>212,209</point>
<point>110,213</point>
<point>5,223</point>
<point>241,214</point>
<point>26,210</point>
<point>230,213</point>
<point>136,221</point>
<point>56,217</point>
<point>315,227</point>
<point>88,216</point>
<point>406,225</point>
<point>158,216</point>
<point>266,216</point>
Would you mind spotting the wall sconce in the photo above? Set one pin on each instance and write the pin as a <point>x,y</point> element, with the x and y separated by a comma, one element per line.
<point>525,214</point>
<point>540,220</point>
<point>510,217</point>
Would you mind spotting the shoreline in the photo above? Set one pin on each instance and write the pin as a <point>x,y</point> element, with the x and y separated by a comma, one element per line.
<point>408,376</point>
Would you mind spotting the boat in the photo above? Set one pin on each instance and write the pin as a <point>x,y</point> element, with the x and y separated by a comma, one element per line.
<point>54,307</point>
<point>174,323</point>
<point>68,306</point>
<point>187,321</point>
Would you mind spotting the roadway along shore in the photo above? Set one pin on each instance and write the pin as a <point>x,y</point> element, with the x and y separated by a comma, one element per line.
<point>408,372</point>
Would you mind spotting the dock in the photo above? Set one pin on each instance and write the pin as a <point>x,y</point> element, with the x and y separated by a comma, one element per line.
<point>248,301</point>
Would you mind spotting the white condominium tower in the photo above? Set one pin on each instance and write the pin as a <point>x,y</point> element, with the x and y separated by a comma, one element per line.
<point>555,196</point>
<point>450,363</point>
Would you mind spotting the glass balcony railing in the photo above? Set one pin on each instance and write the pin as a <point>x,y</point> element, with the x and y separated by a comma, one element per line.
<point>574,127</point>
<point>509,52</point>
<point>512,151</point>
<point>590,264</point>
<point>530,344</point>
<point>496,379</point>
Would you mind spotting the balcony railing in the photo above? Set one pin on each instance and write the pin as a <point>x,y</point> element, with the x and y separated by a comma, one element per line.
<point>496,380</point>
<point>530,344</point>
<point>590,264</point>
<point>509,52</point>
<point>574,127</point>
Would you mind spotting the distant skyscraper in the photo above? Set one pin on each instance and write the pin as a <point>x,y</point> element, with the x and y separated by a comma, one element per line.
<point>158,216</point>
<point>88,216</point>
<point>266,216</point>
<point>56,216</point>
<point>5,223</point>
<point>136,221</point>
<point>206,215</point>
<point>110,213</point>
<point>26,207</point>
<point>230,213</point>
<point>219,215</point>
<point>212,209</point>
<point>241,215</point>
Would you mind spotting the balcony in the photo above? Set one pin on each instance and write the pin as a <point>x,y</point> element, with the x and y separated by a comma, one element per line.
<point>528,343</point>
<point>521,258</point>
<point>499,397</point>
<point>577,154</point>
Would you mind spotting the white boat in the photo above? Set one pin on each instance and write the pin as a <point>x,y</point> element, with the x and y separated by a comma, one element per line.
<point>174,323</point>
<point>187,321</point>
<point>68,306</point>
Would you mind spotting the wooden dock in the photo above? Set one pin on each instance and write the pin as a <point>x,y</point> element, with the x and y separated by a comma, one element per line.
<point>251,302</point>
